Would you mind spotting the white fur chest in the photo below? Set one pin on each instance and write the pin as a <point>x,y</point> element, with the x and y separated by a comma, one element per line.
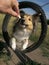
<point>22,34</point>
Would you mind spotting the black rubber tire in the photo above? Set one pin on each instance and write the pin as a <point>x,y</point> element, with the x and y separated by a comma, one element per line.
<point>1,45</point>
<point>38,9</point>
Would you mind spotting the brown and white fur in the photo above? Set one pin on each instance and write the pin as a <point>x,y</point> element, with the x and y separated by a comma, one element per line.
<point>22,32</point>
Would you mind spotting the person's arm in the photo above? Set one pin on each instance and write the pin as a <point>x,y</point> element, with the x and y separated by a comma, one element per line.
<point>10,7</point>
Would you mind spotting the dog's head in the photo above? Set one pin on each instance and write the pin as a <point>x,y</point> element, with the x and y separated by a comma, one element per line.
<point>27,21</point>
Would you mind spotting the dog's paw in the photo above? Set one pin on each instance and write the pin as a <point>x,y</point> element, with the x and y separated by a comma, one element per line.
<point>13,43</point>
<point>25,45</point>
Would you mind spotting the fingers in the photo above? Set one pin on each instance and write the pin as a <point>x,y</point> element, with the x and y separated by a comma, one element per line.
<point>12,12</point>
<point>12,8</point>
<point>16,7</point>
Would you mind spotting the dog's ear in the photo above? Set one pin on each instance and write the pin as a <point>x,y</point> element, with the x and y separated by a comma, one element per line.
<point>35,19</point>
<point>22,13</point>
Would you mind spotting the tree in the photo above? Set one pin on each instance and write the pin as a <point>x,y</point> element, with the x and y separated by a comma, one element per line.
<point>48,21</point>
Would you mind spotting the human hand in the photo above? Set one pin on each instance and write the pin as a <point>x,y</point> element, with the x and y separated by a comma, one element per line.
<point>10,7</point>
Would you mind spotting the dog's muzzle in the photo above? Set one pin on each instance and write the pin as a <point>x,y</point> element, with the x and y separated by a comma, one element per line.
<point>22,22</point>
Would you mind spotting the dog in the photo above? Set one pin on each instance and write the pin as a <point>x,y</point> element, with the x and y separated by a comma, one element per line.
<point>22,30</point>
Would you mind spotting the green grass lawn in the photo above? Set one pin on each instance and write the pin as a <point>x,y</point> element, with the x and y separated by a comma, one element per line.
<point>45,45</point>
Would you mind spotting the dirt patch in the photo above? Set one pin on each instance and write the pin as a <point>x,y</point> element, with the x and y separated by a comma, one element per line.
<point>35,56</point>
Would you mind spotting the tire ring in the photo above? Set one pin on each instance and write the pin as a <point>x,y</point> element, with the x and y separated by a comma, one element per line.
<point>38,9</point>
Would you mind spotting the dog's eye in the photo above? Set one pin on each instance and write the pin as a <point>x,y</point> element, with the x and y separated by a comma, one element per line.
<point>29,19</point>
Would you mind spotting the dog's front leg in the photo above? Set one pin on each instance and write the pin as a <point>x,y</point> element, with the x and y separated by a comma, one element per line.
<point>13,43</point>
<point>25,44</point>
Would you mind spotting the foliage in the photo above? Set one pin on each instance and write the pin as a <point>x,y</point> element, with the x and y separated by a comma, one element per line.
<point>48,21</point>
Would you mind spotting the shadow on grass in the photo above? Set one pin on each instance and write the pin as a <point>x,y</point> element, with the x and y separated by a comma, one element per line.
<point>1,35</point>
<point>29,63</point>
<point>20,63</point>
<point>1,45</point>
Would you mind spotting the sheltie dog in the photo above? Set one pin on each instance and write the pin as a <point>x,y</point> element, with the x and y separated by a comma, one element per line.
<point>22,30</point>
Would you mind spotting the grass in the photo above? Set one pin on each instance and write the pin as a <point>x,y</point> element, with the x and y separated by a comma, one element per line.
<point>45,45</point>
<point>4,57</point>
<point>31,63</point>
